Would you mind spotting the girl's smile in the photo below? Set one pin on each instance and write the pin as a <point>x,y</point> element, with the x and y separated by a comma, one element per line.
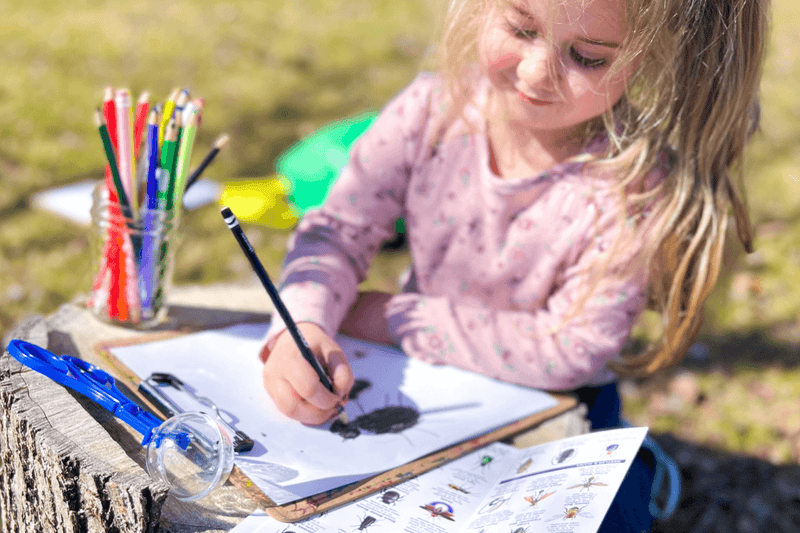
<point>552,85</point>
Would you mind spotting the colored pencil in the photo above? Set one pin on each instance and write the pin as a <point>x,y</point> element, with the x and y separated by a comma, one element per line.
<point>168,156</point>
<point>142,109</point>
<point>112,163</point>
<point>185,157</point>
<point>152,222</point>
<point>127,168</point>
<point>219,144</point>
<point>152,160</point>
<point>166,116</point>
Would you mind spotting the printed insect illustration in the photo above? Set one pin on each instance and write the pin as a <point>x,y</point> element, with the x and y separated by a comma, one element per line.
<point>390,497</point>
<point>368,521</point>
<point>524,466</point>
<point>439,509</point>
<point>533,500</point>
<point>610,449</point>
<point>571,513</point>
<point>457,488</point>
<point>493,505</point>
<point>563,455</point>
<point>485,461</point>
<point>589,483</point>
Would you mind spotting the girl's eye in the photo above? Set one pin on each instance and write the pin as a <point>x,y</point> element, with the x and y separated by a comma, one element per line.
<point>520,33</point>
<point>587,62</point>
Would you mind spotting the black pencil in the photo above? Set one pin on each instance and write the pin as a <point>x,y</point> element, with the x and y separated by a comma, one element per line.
<point>221,141</point>
<point>302,345</point>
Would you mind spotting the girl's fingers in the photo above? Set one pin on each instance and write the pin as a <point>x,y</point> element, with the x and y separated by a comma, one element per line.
<point>305,381</point>
<point>289,402</point>
<point>341,374</point>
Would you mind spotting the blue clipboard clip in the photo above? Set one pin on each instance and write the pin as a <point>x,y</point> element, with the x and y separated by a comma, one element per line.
<point>88,380</point>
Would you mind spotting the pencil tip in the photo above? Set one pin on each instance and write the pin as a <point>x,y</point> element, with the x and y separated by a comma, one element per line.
<point>343,416</point>
<point>144,97</point>
<point>108,93</point>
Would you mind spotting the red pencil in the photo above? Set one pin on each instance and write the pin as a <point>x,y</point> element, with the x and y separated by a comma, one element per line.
<point>142,108</point>
<point>109,112</point>
<point>114,256</point>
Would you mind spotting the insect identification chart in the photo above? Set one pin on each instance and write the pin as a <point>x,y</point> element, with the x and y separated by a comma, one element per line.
<point>400,409</point>
<point>563,486</point>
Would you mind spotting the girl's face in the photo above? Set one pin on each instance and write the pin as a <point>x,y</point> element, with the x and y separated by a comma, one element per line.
<point>554,85</point>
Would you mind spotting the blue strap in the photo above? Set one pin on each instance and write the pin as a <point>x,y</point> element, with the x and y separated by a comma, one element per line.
<point>666,470</point>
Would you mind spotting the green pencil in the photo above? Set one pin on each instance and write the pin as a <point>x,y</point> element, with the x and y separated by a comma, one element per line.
<point>185,155</point>
<point>168,156</point>
<point>112,162</point>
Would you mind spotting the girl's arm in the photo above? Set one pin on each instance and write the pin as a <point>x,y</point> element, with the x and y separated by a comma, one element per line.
<point>331,251</point>
<point>547,348</point>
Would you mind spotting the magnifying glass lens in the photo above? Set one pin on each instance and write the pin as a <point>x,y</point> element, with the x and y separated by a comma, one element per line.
<point>192,454</point>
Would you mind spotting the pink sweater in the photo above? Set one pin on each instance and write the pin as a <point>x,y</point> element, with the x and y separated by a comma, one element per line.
<point>497,264</point>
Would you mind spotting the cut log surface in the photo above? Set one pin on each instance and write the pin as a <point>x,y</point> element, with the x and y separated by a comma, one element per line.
<point>68,465</point>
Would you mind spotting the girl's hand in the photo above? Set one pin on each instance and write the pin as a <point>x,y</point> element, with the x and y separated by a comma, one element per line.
<point>294,385</point>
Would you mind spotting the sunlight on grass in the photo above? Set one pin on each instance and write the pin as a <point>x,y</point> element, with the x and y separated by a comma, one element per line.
<point>274,71</point>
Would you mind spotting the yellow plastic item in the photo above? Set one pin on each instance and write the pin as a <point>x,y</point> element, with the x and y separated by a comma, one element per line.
<point>260,201</point>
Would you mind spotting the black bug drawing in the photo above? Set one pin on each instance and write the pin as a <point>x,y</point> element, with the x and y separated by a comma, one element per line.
<point>389,419</point>
<point>359,386</point>
<point>390,497</point>
<point>366,522</point>
<point>520,530</point>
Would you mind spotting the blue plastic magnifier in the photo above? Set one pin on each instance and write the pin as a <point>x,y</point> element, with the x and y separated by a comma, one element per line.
<point>191,452</point>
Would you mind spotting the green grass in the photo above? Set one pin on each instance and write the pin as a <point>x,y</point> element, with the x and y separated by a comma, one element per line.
<point>273,71</point>
<point>270,72</point>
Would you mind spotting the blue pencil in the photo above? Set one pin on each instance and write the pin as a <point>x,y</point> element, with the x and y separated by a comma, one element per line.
<point>148,271</point>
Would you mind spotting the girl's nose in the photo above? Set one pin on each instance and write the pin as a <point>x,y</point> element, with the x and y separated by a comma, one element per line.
<point>540,69</point>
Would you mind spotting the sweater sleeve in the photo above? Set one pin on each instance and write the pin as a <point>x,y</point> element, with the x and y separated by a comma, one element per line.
<point>559,346</point>
<point>333,247</point>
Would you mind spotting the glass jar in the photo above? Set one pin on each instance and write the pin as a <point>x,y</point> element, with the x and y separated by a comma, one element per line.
<point>133,256</point>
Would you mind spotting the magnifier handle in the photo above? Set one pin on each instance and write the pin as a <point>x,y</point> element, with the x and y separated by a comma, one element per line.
<point>88,380</point>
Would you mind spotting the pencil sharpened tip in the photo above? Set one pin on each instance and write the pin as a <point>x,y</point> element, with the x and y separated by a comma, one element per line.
<point>343,416</point>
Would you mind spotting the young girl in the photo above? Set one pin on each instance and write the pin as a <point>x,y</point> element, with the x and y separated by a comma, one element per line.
<point>571,164</point>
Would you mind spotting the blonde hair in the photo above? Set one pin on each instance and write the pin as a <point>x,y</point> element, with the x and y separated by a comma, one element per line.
<point>693,97</point>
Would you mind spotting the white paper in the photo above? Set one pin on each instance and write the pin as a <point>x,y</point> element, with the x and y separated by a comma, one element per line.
<point>495,489</point>
<point>74,201</point>
<point>291,461</point>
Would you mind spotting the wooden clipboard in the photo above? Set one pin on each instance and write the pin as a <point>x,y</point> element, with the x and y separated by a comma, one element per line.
<point>325,501</point>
